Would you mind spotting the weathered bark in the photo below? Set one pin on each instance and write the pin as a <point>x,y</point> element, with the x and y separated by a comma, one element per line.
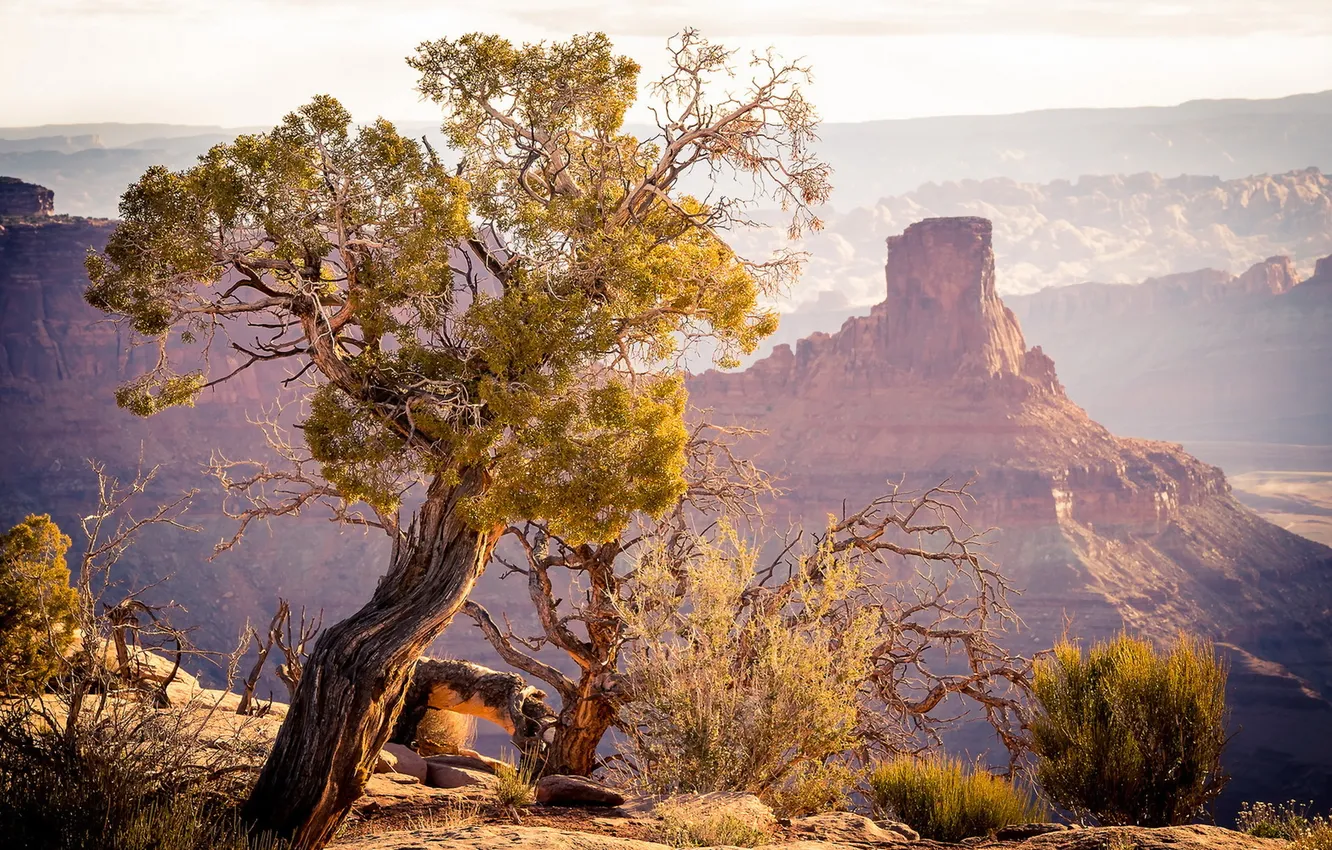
<point>583,723</point>
<point>355,680</point>
<point>504,699</point>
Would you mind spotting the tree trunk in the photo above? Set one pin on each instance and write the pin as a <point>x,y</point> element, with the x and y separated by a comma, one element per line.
<point>355,679</point>
<point>584,721</point>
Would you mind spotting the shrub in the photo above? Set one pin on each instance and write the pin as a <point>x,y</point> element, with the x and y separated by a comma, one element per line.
<point>944,800</point>
<point>515,783</point>
<point>733,688</point>
<point>811,789</point>
<point>688,826</point>
<point>124,778</point>
<point>1288,821</point>
<point>37,605</point>
<point>1128,735</point>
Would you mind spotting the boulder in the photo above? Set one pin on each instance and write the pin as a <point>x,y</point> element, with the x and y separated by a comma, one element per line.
<point>440,775</point>
<point>493,837</point>
<point>746,808</point>
<point>1192,837</point>
<point>397,758</point>
<point>1023,831</point>
<point>477,762</point>
<point>575,791</point>
<point>844,828</point>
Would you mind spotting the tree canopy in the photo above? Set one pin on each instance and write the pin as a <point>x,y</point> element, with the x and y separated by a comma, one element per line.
<point>519,313</point>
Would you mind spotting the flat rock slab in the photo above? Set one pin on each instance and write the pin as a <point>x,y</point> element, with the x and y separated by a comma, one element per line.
<point>575,791</point>
<point>1193,837</point>
<point>396,758</point>
<point>496,838</point>
<point>448,776</point>
<point>746,808</point>
<point>845,828</point>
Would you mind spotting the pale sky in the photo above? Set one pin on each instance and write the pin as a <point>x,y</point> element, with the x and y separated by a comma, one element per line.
<point>247,62</point>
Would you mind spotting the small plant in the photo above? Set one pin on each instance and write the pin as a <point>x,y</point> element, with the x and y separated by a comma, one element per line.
<point>811,789</point>
<point>515,783</point>
<point>945,800</point>
<point>1127,735</point>
<point>685,826</point>
<point>1289,821</point>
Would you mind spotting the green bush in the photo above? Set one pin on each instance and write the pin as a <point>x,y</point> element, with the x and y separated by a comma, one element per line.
<point>37,605</point>
<point>945,800</point>
<point>1128,735</point>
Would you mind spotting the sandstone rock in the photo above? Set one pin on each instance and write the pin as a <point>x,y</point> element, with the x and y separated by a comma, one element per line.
<point>440,775</point>
<point>1023,831</point>
<point>24,199</point>
<point>745,808</point>
<point>1193,837</point>
<point>936,384</point>
<point>489,837</point>
<point>846,828</point>
<point>575,791</point>
<point>470,762</point>
<point>397,758</point>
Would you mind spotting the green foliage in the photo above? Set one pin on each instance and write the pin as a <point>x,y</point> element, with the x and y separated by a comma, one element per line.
<point>1129,735</point>
<point>1289,821</point>
<point>131,779</point>
<point>946,800</point>
<point>733,688</point>
<point>37,605</point>
<point>549,366</point>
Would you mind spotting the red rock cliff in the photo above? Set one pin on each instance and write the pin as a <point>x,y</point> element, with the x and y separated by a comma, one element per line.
<point>1116,533</point>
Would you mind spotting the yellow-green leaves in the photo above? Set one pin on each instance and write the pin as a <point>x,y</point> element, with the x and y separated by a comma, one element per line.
<point>587,461</point>
<point>155,391</point>
<point>37,605</point>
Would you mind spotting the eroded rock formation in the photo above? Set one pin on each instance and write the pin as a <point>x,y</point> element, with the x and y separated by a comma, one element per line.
<point>937,383</point>
<point>19,199</point>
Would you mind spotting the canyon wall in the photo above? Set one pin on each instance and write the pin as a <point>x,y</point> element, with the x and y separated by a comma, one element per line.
<point>1102,532</point>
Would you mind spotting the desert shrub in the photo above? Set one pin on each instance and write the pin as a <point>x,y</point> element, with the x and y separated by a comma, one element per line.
<point>1289,821</point>
<point>445,732</point>
<point>127,777</point>
<point>733,687</point>
<point>690,826</point>
<point>812,788</point>
<point>515,782</point>
<point>37,605</point>
<point>945,800</point>
<point>1129,735</point>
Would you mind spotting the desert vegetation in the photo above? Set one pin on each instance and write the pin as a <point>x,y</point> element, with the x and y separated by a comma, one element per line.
<point>488,354</point>
<point>948,800</point>
<point>1129,735</point>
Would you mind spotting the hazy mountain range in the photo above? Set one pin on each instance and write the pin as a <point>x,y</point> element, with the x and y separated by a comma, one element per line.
<point>88,165</point>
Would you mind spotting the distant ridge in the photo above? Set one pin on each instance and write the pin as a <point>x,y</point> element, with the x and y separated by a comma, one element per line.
<point>873,159</point>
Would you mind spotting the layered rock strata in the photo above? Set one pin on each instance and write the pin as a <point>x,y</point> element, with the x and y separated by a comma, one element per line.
<point>937,384</point>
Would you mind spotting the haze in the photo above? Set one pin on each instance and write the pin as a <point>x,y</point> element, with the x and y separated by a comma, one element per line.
<point>246,62</point>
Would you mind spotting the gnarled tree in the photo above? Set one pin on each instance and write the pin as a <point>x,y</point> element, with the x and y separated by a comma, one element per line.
<point>502,332</point>
<point>577,591</point>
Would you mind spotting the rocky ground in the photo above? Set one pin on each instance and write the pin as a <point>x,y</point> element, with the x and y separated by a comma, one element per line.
<point>399,812</point>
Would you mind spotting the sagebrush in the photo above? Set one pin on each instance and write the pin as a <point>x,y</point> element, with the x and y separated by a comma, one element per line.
<point>945,799</point>
<point>1128,735</point>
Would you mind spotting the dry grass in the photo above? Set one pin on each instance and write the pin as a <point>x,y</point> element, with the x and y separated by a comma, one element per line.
<point>946,800</point>
<point>684,826</point>
<point>515,783</point>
